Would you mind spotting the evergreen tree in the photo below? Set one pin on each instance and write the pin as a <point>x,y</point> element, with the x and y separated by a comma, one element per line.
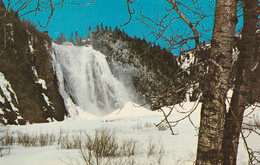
<point>80,43</point>
<point>71,38</point>
<point>78,39</point>
<point>116,29</point>
<point>89,31</point>
<point>97,28</point>
<point>90,35</point>
<point>61,39</point>
<point>102,27</point>
<point>85,39</point>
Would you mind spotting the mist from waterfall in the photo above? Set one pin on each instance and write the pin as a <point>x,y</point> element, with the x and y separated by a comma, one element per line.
<point>86,82</point>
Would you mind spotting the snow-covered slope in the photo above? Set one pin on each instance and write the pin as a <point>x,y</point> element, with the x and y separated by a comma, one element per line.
<point>8,97</point>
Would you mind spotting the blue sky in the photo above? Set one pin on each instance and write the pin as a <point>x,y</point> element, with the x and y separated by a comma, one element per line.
<point>71,18</point>
<point>109,12</point>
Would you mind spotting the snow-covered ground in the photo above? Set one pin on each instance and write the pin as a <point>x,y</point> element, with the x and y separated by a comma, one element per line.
<point>131,122</point>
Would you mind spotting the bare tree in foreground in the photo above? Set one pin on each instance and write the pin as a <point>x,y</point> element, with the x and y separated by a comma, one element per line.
<point>213,109</point>
<point>216,120</point>
<point>244,83</point>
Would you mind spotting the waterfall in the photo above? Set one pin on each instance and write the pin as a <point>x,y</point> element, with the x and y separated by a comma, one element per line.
<point>86,82</point>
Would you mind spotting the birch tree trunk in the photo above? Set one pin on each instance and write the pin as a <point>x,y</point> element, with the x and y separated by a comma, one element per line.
<point>241,94</point>
<point>209,150</point>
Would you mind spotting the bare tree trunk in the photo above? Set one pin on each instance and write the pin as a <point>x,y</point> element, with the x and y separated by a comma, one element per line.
<point>213,110</point>
<point>2,4</point>
<point>241,94</point>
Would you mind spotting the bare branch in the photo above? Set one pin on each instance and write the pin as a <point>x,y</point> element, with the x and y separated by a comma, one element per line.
<point>252,158</point>
<point>25,7</point>
<point>131,12</point>
<point>166,120</point>
<point>195,32</point>
<point>80,4</point>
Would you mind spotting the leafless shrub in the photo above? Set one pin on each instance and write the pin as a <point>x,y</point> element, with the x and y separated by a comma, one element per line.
<point>70,142</point>
<point>100,147</point>
<point>154,149</point>
<point>102,144</point>
<point>27,140</point>
<point>141,125</point>
<point>46,139</point>
<point>59,139</point>
<point>128,148</point>
<point>5,141</point>
<point>148,125</point>
<point>162,127</point>
<point>104,148</point>
<point>4,150</point>
<point>138,126</point>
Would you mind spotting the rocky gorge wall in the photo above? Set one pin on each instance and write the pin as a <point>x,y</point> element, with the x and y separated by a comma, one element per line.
<point>28,85</point>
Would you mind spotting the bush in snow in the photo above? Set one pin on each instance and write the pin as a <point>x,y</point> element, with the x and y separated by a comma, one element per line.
<point>5,141</point>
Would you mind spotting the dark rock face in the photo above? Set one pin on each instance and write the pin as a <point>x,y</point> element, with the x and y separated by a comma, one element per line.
<point>31,92</point>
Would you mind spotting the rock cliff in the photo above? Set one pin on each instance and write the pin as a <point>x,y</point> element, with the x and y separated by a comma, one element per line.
<point>28,91</point>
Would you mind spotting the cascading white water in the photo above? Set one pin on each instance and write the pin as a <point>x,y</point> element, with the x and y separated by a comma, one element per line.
<point>86,82</point>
